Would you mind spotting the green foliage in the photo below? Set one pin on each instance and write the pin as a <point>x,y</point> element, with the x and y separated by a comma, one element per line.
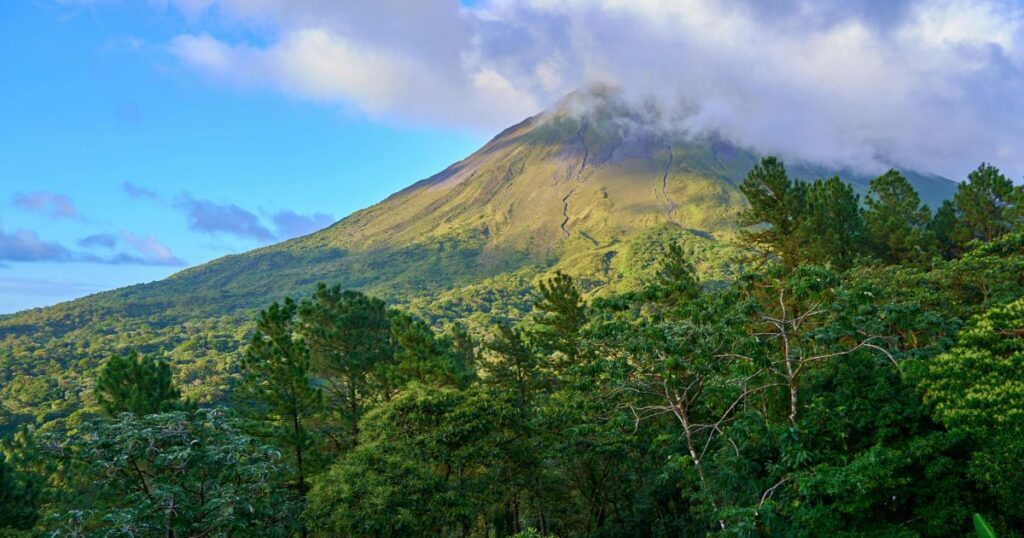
<point>982,527</point>
<point>988,204</point>
<point>677,280</point>
<point>560,315</point>
<point>977,390</point>
<point>426,357</point>
<point>943,227</point>
<point>896,222</point>
<point>636,378</point>
<point>350,337</point>
<point>776,206</point>
<point>135,384</point>
<point>429,451</point>
<point>276,387</point>
<point>175,474</point>
<point>20,494</point>
<point>832,227</point>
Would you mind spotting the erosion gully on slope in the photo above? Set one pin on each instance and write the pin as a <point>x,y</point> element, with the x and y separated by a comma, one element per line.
<point>579,180</point>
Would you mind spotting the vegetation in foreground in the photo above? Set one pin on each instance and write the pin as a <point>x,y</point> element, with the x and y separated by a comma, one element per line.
<point>860,377</point>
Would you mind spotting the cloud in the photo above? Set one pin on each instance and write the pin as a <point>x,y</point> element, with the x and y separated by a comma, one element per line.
<point>927,84</point>
<point>138,192</point>
<point>291,224</point>
<point>55,206</point>
<point>98,240</point>
<point>210,217</point>
<point>150,251</point>
<point>25,246</point>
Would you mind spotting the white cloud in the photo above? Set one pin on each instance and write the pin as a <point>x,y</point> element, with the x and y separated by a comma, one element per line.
<point>933,85</point>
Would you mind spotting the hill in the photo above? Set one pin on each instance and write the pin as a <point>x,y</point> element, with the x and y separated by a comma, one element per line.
<point>590,186</point>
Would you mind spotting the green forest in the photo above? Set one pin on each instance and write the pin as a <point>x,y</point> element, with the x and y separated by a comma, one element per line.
<point>846,365</point>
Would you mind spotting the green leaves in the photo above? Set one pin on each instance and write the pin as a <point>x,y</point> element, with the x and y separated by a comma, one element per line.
<point>135,384</point>
<point>896,222</point>
<point>277,387</point>
<point>982,527</point>
<point>989,205</point>
<point>977,390</point>
<point>776,206</point>
<point>183,473</point>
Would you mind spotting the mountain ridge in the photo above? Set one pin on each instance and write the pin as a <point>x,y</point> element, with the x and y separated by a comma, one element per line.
<point>568,149</point>
<point>597,195</point>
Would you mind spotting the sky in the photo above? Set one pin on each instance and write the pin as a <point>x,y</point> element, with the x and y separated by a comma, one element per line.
<point>139,137</point>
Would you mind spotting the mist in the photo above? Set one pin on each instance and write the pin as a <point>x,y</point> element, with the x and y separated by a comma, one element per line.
<point>932,86</point>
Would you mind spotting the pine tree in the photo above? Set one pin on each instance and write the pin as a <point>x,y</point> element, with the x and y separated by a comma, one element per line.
<point>353,350</point>
<point>895,220</point>
<point>943,228</point>
<point>20,494</point>
<point>832,228</point>
<point>774,214</point>
<point>989,205</point>
<point>277,386</point>
<point>560,314</point>
<point>427,357</point>
<point>135,384</point>
<point>677,280</point>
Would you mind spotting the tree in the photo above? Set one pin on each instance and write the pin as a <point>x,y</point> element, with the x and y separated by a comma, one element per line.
<point>353,350</point>
<point>989,205</point>
<point>20,494</point>
<point>976,390</point>
<point>895,221</point>
<point>560,313</point>
<point>796,315</point>
<point>428,463</point>
<point>832,228</point>
<point>776,206</point>
<point>430,358</point>
<point>175,474</point>
<point>943,227</point>
<point>135,384</point>
<point>677,280</point>
<point>276,386</point>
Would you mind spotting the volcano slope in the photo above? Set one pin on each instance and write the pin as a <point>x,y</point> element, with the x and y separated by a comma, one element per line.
<point>588,187</point>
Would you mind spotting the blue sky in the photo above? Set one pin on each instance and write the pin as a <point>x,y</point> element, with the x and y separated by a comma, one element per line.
<point>141,136</point>
<point>91,101</point>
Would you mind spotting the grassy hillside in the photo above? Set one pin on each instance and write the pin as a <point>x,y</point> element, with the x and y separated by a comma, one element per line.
<point>587,187</point>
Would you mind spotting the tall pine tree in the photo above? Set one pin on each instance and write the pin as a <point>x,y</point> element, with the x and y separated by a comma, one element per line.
<point>895,220</point>
<point>832,228</point>
<point>775,210</point>
<point>989,205</point>
<point>277,386</point>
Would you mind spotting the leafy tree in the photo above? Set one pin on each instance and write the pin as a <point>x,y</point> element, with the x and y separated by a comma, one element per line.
<point>174,474</point>
<point>989,205</point>
<point>895,221</point>
<point>433,451</point>
<point>277,388</point>
<point>976,389</point>
<point>776,206</point>
<point>135,384</point>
